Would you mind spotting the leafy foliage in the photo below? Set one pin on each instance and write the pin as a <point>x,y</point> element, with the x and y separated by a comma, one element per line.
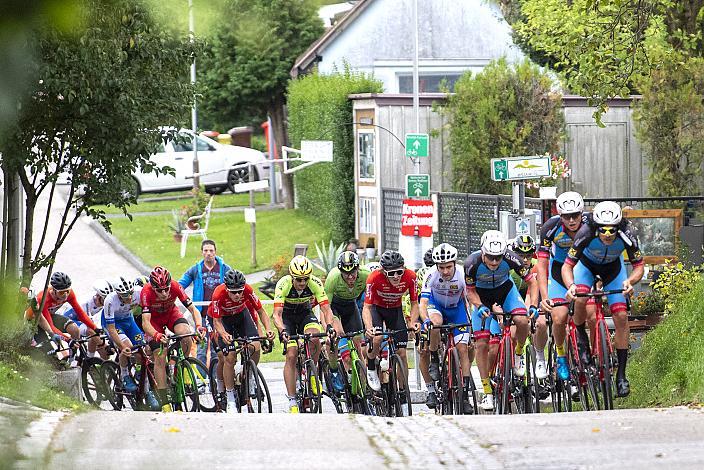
<point>328,256</point>
<point>504,111</point>
<point>319,110</point>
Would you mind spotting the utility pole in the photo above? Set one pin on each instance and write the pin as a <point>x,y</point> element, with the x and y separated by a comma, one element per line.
<point>194,110</point>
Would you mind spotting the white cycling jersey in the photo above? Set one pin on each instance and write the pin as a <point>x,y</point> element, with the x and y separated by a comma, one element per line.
<point>116,310</point>
<point>443,293</point>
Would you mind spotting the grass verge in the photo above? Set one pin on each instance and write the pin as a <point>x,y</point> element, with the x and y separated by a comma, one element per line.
<point>150,239</point>
<point>146,204</point>
<point>668,369</point>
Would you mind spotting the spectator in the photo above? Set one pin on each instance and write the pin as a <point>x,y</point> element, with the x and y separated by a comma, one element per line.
<point>352,245</point>
<point>205,276</point>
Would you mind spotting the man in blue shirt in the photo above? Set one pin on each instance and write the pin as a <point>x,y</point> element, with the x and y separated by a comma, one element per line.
<point>205,276</point>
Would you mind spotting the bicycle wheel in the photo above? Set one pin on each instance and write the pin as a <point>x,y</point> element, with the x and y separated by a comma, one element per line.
<point>203,385</point>
<point>533,399</point>
<point>213,379</point>
<point>360,390</point>
<point>577,377</point>
<point>506,379</point>
<point>189,381</point>
<point>605,364</point>
<point>324,370</point>
<point>92,381</point>
<point>312,398</point>
<point>255,392</point>
<point>457,385</point>
<point>402,399</point>
<point>442,392</point>
<point>111,377</point>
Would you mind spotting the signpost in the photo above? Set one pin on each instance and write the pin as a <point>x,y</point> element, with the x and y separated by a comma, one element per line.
<point>520,168</point>
<point>417,145</point>
<point>417,186</point>
<point>417,218</point>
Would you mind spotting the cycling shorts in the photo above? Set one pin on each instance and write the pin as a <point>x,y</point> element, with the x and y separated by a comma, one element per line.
<point>161,321</point>
<point>613,274</point>
<point>127,328</point>
<point>300,321</point>
<point>507,296</point>
<point>557,291</point>
<point>239,325</point>
<point>348,313</point>
<point>456,314</point>
<point>393,319</point>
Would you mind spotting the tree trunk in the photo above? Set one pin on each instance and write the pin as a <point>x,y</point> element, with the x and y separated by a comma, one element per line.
<point>27,274</point>
<point>276,112</point>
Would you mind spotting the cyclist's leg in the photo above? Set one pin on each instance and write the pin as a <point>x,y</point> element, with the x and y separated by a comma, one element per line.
<point>377,324</point>
<point>458,315</point>
<point>66,325</point>
<point>514,303</point>
<point>247,327</point>
<point>557,292</point>
<point>584,278</point>
<point>619,313</point>
<point>291,324</point>
<point>230,359</point>
<point>159,357</point>
<point>395,320</point>
<point>312,325</point>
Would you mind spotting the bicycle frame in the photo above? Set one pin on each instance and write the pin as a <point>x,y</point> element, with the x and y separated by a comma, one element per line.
<point>304,355</point>
<point>452,388</point>
<point>502,363</point>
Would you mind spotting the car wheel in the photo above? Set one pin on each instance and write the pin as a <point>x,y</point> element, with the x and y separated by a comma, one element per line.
<point>215,189</point>
<point>239,175</point>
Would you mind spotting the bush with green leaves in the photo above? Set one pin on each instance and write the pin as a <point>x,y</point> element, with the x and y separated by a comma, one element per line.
<point>327,256</point>
<point>319,109</point>
<point>504,111</point>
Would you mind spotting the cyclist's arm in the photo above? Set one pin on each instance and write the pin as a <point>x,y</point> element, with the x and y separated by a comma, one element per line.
<point>567,275</point>
<point>473,297</point>
<point>328,315</point>
<point>414,312</point>
<point>532,295</point>
<point>147,324</point>
<point>219,328</point>
<point>80,313</point>
<point>196,315</point>
<point>264,319</point>
<point>423,308</point>
<point>367,316</point>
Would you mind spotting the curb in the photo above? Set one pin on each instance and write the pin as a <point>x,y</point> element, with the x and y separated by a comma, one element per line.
<point>117,246</point>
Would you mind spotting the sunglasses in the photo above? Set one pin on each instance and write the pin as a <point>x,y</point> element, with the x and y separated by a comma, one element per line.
<point>607,230</point>
<point>396,272</point>
<point>301,279</point>
<point>349,273</point>
<point>235,291</point>
<point>574,216</point>
<point>163,290</point>
<point>63,292</point>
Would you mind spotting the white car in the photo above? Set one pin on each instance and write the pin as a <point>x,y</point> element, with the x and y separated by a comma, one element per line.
<point>215,160</point>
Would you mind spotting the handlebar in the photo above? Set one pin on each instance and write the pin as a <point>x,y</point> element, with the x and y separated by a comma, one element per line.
<point>351,334</point>
<point>449,326</point>
<point>599,293</point>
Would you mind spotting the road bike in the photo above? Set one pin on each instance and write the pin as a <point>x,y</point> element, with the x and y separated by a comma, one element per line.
<point>450,388</point>
<point>394,398</point>
<point>560,396</point>
<point>141,370</point>
<point>185,376</point>
<point>581,376</point>
<point>308,386</point>
<point>510,389</point>
<point>356,394</point>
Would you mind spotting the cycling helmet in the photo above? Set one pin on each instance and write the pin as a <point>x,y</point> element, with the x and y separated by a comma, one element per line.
<point>300,266</point>
<point>444,253</point>
<point>569,202</point>
<point>102,288</point>
<point>391,260</point>
<point>60,281</point>
<point>428,258</point>
<point>373,266</point>
<point>524,244</point>
<point>348,261</point>
<point>160,278</point>
<point>493,243</point>
<point>124,286</point>
<point>141,281</point>
<point>607,213</point>
<point>234,279</point>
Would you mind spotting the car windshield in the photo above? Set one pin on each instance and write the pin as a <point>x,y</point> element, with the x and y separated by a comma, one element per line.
<point>203,146</point>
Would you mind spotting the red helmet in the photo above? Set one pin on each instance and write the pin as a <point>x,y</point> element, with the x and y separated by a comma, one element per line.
<point>160,278</point>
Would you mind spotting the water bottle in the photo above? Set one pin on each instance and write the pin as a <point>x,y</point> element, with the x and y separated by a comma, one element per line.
<point>238,373</point>
<point>384,364</point>
<point>172,367</point>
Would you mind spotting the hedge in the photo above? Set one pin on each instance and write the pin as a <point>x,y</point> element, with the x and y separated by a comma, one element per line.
<point>319,109</point>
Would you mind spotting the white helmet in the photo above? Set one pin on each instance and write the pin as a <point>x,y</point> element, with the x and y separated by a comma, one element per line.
<point>124,286</point>
<point>569,203</point>
<point>444,253</point>
<point>607,213</point>
<point>494,243</point>
<point>102,288</point>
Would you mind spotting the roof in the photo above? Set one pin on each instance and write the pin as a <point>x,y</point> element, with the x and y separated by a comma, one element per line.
<point>311,55</point>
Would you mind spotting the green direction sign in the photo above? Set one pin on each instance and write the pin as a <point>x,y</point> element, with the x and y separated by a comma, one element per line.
<point>417,186</point>
<point>520,168</point>
<point>417,145</point>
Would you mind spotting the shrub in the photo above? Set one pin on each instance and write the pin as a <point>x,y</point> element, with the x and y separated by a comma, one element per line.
<point>504,111</point>
<point>320,110</point>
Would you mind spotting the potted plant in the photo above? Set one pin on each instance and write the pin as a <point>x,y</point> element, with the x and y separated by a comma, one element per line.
<point>547,185</point>
<point>177,224</point>
<point>195,207</point>
<point>371,248</point>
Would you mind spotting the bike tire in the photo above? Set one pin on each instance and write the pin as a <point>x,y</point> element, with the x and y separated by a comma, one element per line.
<point>605,363</point>
<point>400,375</point>
<point>535,383</point>
<point>506,379</point>
<point>457,387</point>
<point>577,376</point>
<point>206,399</point>
<point>191,394</point>
<point>111,377</point>
<point>444,399</point>
<point>312,401</point>
<point>261,401</point>
<point>213,378</point>
<point>363,390</point>
<point>326,373</point>
<point>92,381</point>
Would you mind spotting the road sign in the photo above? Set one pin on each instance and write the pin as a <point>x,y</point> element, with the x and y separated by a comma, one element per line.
<point>417,217</point>
<point>522,226</point>
<point>316,150</point>
<point>417,145</point>
<point>251,186</point>
<point>418,186</point>
<point>520,168</point>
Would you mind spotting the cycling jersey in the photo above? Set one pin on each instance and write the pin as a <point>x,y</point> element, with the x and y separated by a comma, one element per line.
<point>478,274</point>
<point>151,303</point>
<point>588,246</point>
<point>447,294</point>
<point>115,310</point>
<point>292,300</point>
<point>223,306</point>
<point>337,289</point>
<point>52,305</point>
<point>555,242</point>
<point>89,306</point>
<point>382,293</point>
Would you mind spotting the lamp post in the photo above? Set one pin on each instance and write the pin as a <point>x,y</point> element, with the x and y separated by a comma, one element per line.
<point>194,109</point>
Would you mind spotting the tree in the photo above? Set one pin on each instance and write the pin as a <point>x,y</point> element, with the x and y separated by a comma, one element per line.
<point>96,99</point>
<point>504,111</point>
<point>247,67</point>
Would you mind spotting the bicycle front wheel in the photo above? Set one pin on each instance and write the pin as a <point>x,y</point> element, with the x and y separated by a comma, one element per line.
<point>605,365</point>
<point>398,386</point>
<point>111,377</point>
<point>93,383</point>
<point>188,384</point>
<point>255,390</point>
<point>506,378</point>
<point>311,400</point>
<point>456,385</point>
<point>203,384</point>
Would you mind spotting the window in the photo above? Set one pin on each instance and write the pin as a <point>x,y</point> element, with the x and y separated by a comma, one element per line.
<point>427,83</point>
<point>366,154</point>
<point>367,215</point>
<point>187,145</point>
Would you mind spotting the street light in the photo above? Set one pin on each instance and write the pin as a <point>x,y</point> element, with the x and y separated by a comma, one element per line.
<point>194,109</point>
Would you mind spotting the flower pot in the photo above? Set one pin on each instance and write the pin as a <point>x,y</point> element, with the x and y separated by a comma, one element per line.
<point>548,192</point>
<point>178,237</point>
<point>370,253</point>
<point>192,225</point>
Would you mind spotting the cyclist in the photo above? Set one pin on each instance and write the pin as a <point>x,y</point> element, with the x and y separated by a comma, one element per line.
<point>93,307</point>
<point>382,305</point>
<point>490,288</point>
<point>231,310</point>
<point>598,250</point>
<point>524,247</point>
<point>343,286</point>
<point>123,330</point>
<point>556,237</point>
<point>57,326</point>
<point>159,311</point>
<point>443,301</point>
<point>293,314</point>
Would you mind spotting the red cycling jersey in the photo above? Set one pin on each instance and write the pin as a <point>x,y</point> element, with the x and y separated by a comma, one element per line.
<point>380,292</point>
<point>151,303</point>
<point>52,305</point>
<point>222,305</point>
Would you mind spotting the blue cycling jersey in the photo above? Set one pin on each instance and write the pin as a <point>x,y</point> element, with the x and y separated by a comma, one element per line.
<point>555,242</point>
<point>589,247</point>
<point>478,274</point>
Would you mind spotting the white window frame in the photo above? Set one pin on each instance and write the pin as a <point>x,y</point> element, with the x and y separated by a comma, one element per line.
<point>361,132</point>
<point>367,215</point>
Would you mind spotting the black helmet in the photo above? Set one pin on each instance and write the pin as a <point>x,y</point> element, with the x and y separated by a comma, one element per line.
<point>391,260</point>
<point>524,244</point>
<point>428,258</point>
<point>234,279</point>
<point>60,281</point>
<point>348,261</point>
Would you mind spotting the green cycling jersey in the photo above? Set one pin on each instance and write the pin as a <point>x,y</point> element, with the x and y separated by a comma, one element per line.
<point>337,289</point>
<point>288,297</point>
